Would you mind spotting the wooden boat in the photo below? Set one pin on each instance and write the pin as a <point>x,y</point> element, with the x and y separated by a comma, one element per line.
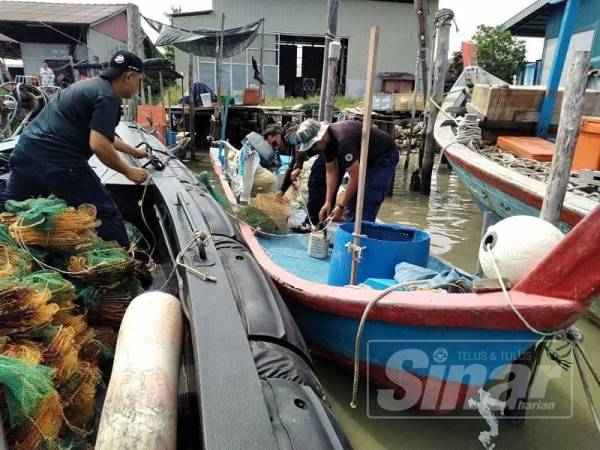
<point>245,374</point>
<point>553,296</point>
<point>496,187</point>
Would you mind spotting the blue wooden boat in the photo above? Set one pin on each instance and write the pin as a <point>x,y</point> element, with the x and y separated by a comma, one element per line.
<point>425,323</point>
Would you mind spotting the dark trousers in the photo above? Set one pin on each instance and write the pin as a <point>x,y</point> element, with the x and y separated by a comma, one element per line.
<point>317,188</point>
<point>379,176</point>
<point>75,186</point>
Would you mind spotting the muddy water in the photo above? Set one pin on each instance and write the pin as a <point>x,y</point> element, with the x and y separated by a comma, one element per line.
<point>454,223</point>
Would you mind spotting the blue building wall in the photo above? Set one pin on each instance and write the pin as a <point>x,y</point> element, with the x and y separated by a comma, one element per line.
<point>588,18</point>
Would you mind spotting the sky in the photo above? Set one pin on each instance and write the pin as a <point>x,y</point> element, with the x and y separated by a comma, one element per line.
<point>468,14</point>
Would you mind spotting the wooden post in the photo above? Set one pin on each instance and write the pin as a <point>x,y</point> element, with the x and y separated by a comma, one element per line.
<point>364,151</point>
<point>421,7</point>
<point>330,33</point>
<point>162,90</point>
<point>335,49</point>
<point>134,45</point>
<point>192,111</point>
<point>568,131</point>
<point>260,62</point>
<point>443,20</point>
<point>219,106</point>
<point>149,94</point>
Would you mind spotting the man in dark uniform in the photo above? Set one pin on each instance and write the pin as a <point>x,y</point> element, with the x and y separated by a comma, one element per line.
<point>340,145</point>
<point>52,154</point>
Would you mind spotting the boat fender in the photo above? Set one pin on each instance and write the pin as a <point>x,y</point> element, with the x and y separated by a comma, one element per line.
<point>140,409</point>
<point>517,244</point>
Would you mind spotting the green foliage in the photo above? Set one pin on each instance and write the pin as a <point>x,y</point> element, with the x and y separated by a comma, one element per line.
<point>340,102</point>
<point>499,52</point>
<point>456,65</point>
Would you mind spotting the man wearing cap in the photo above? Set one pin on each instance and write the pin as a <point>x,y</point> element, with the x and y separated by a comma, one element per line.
<point>52,154</point>
<point>340,144</point>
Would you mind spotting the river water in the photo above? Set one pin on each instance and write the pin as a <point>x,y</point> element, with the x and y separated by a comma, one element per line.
<point>451,217</point>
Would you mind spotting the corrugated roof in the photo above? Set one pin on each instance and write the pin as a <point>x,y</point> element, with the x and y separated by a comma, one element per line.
<point>64,13</point>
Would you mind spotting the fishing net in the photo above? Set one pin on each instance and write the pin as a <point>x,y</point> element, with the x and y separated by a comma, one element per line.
<point>102,346</point>
<point>83,333</point>
<point>50,223</point>
<point>101,264</point>
<point>23,308</point>
<point>61,354</point>
<point>254,217</point>
<point>24,350</point>
<point>62,291</point>
<point>78,395</point>
<point>25,386</point>
<point>134,234</point>
<point>107,306</point>
<point>278,210</point>
<point>14,262</point>
<point>43,428</point>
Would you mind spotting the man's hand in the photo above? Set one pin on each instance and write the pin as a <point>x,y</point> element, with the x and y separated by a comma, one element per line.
<point>139,153</point>
<point>337,213</point>
<point>138,176</point>
<point>325,211</point>
<point>295,173</point>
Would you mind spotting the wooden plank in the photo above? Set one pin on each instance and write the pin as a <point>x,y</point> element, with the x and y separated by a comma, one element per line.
<point>490,285</point>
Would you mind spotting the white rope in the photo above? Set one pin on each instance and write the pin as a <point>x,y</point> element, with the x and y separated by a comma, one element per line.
<point>530,327</point>
<point>141,206</point>
<point>469,132</point>
<point>318,245</point>
<point>361,328</point>
<point>197,236</point>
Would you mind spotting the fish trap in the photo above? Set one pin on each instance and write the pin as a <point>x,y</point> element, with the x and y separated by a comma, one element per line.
<point>50,223</point>
<point>23,309</point>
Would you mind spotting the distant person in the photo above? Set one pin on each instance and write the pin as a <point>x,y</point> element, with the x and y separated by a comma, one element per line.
<point>316,180</point>
<point>339,143</point>
<point>47,75</point>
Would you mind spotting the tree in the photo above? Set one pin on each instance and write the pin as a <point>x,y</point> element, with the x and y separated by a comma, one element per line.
<point>456,65</point>
<point>499,52</point>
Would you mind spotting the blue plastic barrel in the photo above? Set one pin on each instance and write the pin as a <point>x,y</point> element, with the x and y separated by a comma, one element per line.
<point>171,137</point>
<point>386,245</point>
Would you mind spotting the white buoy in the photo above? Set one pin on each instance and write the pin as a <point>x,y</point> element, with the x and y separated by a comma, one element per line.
<point>140,409</point>
<point>518,243</point>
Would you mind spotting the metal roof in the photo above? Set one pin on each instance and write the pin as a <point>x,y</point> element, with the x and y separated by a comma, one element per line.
<point>530,22</point>
<point>63,13</point>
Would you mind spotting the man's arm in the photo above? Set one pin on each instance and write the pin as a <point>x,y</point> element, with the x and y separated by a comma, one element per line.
<point>350,192</point>
<point>124,147</point>
<point>331,177</point>
<point>105,151</point>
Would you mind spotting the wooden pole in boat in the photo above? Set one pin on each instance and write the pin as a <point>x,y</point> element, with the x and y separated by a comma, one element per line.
<point>330,33</point>
<point>192,111</point>
<point>443,20</point>
<point>335,49</point>
<point>364,152</point>
<point>568,131</point>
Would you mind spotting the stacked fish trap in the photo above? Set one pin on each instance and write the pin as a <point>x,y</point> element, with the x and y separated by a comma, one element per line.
<point>56,277</point>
